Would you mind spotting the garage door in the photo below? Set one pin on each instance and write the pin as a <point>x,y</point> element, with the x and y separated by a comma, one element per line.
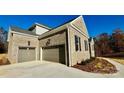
<point>26,54</point>
<point>54,53</point>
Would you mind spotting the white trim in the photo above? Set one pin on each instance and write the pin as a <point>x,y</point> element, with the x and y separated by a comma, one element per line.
<point>71,23</point>
<point>76,18</point>
<point>23,34</point>
<point>78,30</point>
<point>43,26</point>
<point>69,47</point>
<point>85,26</point>
<point>8,38</point>
<point>41,54</point>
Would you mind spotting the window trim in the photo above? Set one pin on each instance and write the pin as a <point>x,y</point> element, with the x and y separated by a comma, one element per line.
<point>86,45</point>
<point>77,43</point>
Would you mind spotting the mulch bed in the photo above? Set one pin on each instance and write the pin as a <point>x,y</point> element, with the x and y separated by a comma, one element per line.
<point>97,65</point>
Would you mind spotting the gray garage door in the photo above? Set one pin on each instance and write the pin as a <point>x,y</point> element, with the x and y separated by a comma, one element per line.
<point>54,53</point>
<point>26,54</point>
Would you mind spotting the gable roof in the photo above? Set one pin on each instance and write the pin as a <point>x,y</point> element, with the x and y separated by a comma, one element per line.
<point>17,29</point>
<point>41,25</point>
<point>60,27</point>
<point>51,30</point>
<point>65,23</point>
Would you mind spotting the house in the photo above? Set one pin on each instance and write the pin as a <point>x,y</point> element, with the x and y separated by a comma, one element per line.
<point>68,44</point>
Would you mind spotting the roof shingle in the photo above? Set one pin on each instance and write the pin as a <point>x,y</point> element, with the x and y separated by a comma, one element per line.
<point>17,29</point>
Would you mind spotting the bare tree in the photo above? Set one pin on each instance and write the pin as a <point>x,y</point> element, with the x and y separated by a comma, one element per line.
<point>3,40</point>
<point>118,40</point>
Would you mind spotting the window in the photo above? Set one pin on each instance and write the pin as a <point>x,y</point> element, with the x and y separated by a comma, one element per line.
<point>80,43</point>
<point>77,43</point>
<point>28,43</point>
<point>86,45</point>
<point>11,34</point>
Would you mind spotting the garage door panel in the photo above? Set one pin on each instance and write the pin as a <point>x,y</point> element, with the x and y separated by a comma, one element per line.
<point>51,54</point>
<point>62,55</point>
<point>22,54</point>
<point>55,54</point>
<point>32,54</point>
<point>26,54</point>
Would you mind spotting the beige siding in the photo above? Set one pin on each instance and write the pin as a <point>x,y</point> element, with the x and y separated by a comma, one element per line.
<point>77,56</point>
<point>77,27</point>
<point>80,24</point>
<point>21,40</point>
<point>56,39</point>
<point>10,48</point>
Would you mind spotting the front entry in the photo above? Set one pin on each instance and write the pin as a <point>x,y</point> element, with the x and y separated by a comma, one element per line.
<point>54,54</point>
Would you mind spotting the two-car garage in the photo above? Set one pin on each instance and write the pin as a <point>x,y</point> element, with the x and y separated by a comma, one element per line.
<point>52,53</point>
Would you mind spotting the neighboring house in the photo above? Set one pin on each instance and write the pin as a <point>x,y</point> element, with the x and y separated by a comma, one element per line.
<point>68,44</point>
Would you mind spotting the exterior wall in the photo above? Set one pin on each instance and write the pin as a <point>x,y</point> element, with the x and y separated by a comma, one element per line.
<point>55,39</point>
<point>77,56</point>
<point>92,48</point>
<point>80,25</point>
<point>21,40</point>
<point>77,27</point>
<point>10,43</point>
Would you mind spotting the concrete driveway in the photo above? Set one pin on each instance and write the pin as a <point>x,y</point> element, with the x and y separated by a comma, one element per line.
<point>46,69</point>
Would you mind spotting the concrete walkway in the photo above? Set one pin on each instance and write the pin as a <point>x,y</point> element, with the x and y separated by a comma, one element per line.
<point>120,68</point>
<point>49,70</point>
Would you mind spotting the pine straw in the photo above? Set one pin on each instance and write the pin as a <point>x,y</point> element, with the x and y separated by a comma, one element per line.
<point>3,59</point>
<point>97,65</point>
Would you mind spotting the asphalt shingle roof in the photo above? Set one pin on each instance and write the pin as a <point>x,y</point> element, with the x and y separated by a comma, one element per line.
<point>17,29</point>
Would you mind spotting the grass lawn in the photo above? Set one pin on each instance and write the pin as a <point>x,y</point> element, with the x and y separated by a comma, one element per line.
<point>118,59</point>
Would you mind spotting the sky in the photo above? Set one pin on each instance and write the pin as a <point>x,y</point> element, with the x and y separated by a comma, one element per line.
<point>96,24</point>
